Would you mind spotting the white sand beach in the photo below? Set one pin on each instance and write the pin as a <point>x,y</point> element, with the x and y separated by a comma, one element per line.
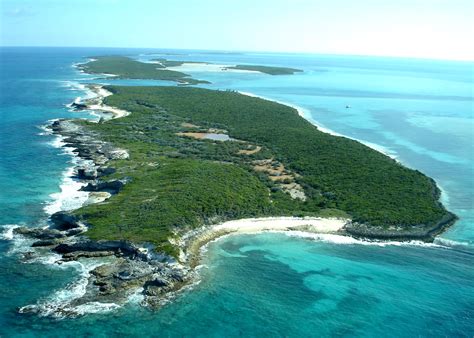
<point>311,224</point>
<point>193,241</point>
<point>96,103</point>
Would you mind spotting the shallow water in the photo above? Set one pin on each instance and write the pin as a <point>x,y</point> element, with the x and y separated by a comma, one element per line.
<point>268,284</point>
<point>419,111</point>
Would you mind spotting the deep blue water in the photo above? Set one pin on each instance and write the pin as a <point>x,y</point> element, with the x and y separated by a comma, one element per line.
<point>420,111</point>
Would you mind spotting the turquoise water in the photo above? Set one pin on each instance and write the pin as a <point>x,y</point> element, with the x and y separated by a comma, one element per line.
<point>268,284</point>
<point>417,110</point>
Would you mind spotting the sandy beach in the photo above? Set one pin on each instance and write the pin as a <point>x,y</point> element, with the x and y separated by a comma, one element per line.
<point>96,103</point>
<point>311,224</point>
<point>195,240</point>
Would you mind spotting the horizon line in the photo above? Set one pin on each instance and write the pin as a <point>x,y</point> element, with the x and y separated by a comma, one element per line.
<point>432,58</point>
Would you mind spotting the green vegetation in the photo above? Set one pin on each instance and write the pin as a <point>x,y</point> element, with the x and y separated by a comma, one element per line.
<point>126,68</point>
<point>176,194</point>
<point>267,69</point>
<point>180,182</point>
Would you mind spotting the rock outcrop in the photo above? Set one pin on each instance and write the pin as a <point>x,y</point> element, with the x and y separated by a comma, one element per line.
<point>127,267</point>
<point>422,232</point>
<point>77,106</point>
<point>64,221</point>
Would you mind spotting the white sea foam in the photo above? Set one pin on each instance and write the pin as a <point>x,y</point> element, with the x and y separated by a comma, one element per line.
<point>77,86</point>
<point>45,128</point>
<point>7,233</point>
<point>70,197</point>
<point>22,244</point>
<point>136,297</point>
<point>452,243</point>
<point>19,244</point>
<point>444,198</point>
<point>50,258</point>
<point>58,142</point>
<point>201,267</point>
<point>60,303</point>
<point>381,149</point>
<point>347,240</point>
<point>95,307</point>
<point>73,85</point>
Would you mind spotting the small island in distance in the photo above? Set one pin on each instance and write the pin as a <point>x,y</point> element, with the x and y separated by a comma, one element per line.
<point>125,68</point>
<point>158,69</point>
<point>165,165</point>
<point>266,69</point>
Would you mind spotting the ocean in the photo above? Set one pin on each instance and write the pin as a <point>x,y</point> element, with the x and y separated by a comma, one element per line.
<point>271,284</point>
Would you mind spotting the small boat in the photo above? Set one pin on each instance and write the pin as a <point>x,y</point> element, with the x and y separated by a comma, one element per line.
<point>347,106</point>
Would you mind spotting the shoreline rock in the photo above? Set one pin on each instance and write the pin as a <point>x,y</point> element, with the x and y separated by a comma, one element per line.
<point>77,106</point>
<point>423,232</point>
<point>131,267</point>
<point>64,221</point>
<point>127,266</point>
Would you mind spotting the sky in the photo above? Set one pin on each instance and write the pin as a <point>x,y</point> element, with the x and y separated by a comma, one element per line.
<point>439,29</point>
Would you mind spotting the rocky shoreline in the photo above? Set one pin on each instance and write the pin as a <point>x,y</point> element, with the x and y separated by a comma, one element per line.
<point>422,232</point>
<point>128,268</point>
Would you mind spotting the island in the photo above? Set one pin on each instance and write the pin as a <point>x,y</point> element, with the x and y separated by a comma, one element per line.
<point>266,69</point>
<point>169,169</point>
<point>123,67</point>
<point>126,68</point>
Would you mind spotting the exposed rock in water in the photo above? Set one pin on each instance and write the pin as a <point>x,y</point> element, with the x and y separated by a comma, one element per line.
<point>72,256</point>
<point>47,236</point>
<point>26,256</point>
<point>128,268</point>
<point>39,233</point>
<point>125,247</point>
<point>46,242</point>
<point>110,282</point>
<point>64,221</point>
<point>78,106</point>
